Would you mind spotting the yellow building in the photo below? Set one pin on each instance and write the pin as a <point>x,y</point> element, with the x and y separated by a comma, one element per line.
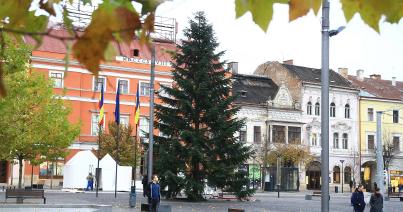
<point>386,96</point>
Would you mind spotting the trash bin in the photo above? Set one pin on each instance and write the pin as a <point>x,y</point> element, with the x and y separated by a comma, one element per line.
<point>132,200</point>
<point>336,189</point>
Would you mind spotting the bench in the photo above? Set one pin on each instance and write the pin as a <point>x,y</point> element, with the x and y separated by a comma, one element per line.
<point>26,194</point>
<point>396,195</point>
<point>221,196</point>
<point>314,194</point>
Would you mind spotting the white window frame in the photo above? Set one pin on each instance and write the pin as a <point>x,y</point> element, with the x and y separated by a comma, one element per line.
<point>124,117</point>
<point>336,139</point>
<point>92,126</point>
<point>393,117</point>
<point>332,114</point>
<point>128,85</point>
<point>373,114</point>
<point>141,82</point>
<point>309,108</point>
<point>347,111</point>
<point>317,109</point>
<point>93,83</point>
<point>344,141</point>
<point>140,128</point>
<point>56,72</point>
<point>366,140</point>
<point>314,142</point>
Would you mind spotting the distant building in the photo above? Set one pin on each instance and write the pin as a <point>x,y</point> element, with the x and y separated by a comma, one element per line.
<point>377,94</point>
<point>82,89</point>
<point>295,109</point>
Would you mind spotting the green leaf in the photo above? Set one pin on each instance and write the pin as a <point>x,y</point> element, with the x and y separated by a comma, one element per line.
<point>149,6</point>
<point>261,10</point>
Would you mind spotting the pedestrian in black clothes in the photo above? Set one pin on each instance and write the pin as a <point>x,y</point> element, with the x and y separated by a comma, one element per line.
<point>145,183</point>
<point>357,199</point>
<point>375,186</point>
<point>376,201</point>
<point>155,194</point>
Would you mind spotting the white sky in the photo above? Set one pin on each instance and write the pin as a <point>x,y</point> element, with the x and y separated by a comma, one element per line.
<point>357,47</point>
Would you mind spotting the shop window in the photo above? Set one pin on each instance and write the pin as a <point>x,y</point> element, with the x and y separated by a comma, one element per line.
<point>336,174</point>
<point>47,169</point>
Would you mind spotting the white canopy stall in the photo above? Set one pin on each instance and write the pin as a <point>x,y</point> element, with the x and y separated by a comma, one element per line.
<point>108,175</point>
<point>77,169</point>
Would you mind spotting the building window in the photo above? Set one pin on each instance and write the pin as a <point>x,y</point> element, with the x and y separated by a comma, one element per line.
<point>294,135</point>
<point>345,141</point>
<point>335,140</point>
<point>347,175</point>
<point>317,109</point>
<point>95,124</point>
<point>124,120</point>
<point>57,78</point>
<point>144,126</point>
<point>370,114</point>
<point>336,174</point>
<point>243,134</point>
<point>99,83</point>
<point>257,136</point>
<point>395,116</point>
<point>396,144</point>
<point>309,108</point>
<point>347,111</point>
<point>278,134</point>
<point>123,86</point>
<point>47,169</point>
<point>144,89</point>
<point>371,142</point>
<point>332,110</point>
<point>314,139</point>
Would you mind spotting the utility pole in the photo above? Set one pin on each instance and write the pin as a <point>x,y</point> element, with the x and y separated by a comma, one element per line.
<point>379,154</point>
<point>151,125</point>
<point>325,108</point>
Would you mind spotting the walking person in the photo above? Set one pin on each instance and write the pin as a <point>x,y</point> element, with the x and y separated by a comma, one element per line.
<point>155,194</point>
<point>351,185</point>
<point>376,201</point>
<point>90,182</point>
<point>144,182</point>
<point>357,199</point>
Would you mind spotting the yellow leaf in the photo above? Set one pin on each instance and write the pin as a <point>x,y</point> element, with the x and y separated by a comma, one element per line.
<point>298,8</point>
<point>316,6</point>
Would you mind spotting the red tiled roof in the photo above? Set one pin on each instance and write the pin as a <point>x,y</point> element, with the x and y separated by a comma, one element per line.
<point>54,45</point>
<point>379,88</point>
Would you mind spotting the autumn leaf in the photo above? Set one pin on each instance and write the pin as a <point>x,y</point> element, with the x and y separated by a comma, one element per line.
<point>300,8</point>
<point>149,5</point>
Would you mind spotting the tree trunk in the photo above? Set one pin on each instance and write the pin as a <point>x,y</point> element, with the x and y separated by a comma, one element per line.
<point>20,172</point>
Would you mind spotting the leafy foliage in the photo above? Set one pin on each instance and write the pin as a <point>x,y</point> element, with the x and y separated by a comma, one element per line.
<point>198,119</point>
<point>126,145</point>
<point>34,122</point>
<point>112,21</point>
<point>371,11</point>
<point>290,154</point>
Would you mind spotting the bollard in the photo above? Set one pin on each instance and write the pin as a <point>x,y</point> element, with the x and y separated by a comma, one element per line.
<point>132,200</point>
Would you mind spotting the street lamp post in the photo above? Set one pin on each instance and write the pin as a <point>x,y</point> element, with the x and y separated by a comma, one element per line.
<point>342,175</point>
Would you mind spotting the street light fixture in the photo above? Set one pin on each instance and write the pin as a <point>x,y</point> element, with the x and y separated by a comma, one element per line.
<point>342,175</point>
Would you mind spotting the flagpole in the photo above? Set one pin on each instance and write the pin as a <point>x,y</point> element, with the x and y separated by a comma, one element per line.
<point>97,172</point>
<point>117,119</point>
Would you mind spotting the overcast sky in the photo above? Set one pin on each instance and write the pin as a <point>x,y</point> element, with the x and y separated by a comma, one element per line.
<point>357,47</point>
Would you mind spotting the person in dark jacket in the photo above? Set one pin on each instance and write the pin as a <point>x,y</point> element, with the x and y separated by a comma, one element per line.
<point>351,185</point>
<point>155,194</point>
<point>376,201</point>
<point>144,182</point>
<point>357,199</point>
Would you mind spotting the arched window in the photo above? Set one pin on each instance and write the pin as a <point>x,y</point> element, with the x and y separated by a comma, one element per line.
<point>335,140</point>
<point>345,141</point>
<point>309,108</point>
<point>336,174</point>
<point>347,175</point>
<point>317,109</point>
<point>347,111</point>
<point>332,109</point>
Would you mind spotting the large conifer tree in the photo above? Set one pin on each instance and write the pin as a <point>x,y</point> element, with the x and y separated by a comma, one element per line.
<point>197,119</point>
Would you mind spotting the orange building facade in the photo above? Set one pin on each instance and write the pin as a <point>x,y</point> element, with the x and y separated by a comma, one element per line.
<point>81,90</point>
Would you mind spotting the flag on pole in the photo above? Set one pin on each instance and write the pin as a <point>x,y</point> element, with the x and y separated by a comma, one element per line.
<point>137,109</point>
<point>117,109</point>
<point>101,107</point>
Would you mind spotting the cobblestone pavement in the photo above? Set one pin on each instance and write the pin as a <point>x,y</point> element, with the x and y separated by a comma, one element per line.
<point>262,202</point>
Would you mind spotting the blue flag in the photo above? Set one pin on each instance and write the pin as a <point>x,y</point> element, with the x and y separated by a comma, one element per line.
<point>117,109</point>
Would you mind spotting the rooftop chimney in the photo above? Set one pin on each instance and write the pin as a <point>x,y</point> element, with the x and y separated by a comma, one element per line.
<point>233,67</point>
<point>394,81</point>
<point>289,62</point>
<point>343,72</point>
<point>360,74</point>
<point>375,76</point>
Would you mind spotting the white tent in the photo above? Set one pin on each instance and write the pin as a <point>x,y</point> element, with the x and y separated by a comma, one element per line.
<point>108,166</point>
<point>77,169</point>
